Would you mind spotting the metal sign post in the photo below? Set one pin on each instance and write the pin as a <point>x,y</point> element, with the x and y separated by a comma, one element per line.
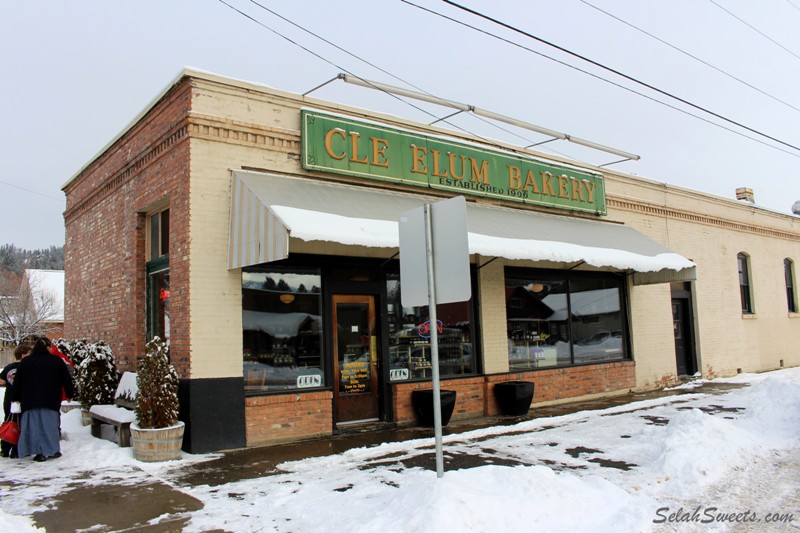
<point>445,253</point>
<point>437,399</point>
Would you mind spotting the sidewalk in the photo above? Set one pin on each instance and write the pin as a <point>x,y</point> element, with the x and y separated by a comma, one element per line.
<point>158,506</point>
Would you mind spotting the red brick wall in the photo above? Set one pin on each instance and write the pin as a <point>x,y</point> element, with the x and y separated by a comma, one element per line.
<point>105,233</point>
<point>564,383</point>
<point>469,398</point>
<point>288,417</point>
<point>296,416</point>
<point>475,396</point>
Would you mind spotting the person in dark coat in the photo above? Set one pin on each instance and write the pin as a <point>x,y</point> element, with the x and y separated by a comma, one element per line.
<point>7,380</point>
<point>38,387</point>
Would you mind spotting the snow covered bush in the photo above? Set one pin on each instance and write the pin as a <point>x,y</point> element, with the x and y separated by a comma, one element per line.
<point>77,350</point>
<point>97,376</point>
<point>65,347</point>
<point>157,401</point>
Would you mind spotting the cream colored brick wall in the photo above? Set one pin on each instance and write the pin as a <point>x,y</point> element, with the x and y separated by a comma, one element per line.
<point>726,340</point>
<point>233,129</point>
<point>652,343</point>
<point>494,337</point>
<point>250,127</point>
<point>216,299</point>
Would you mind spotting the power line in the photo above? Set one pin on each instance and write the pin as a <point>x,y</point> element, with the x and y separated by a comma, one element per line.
<point>318,56</point>
<point>372,85</point>
<point>665,104</point>
<point>31,191</point>
<point>770,39</point>
<point>359,58</point>
<point>618,73</point>
<point>483,31</point>
<point>662,41</point>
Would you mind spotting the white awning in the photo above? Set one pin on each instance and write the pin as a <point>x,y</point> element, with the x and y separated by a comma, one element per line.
<point>267,210</point>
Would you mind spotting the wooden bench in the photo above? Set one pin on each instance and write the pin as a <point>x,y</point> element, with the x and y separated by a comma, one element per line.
<point>120,414</point>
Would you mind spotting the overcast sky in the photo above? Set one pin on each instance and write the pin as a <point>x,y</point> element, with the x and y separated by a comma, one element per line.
<point>74,74</point>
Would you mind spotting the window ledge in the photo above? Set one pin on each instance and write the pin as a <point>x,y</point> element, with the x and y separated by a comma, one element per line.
<point>749,316</point>
<point>794,314</point>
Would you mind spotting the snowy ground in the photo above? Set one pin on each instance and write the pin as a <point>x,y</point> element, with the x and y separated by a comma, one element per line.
<point>690,462</point>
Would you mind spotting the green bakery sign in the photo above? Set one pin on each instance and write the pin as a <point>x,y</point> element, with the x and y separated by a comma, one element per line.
<point>369,150</point>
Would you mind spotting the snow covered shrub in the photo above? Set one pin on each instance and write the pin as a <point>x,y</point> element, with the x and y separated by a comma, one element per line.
<point>77,350</point>
<point>157,401</point>
<point>97,376</point>
<point>65,347</point>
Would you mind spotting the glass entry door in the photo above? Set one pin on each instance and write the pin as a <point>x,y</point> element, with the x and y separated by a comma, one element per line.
<point>356,370</point>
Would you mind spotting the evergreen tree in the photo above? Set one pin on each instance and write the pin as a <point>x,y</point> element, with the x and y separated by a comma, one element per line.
<point>97,376</point>
<point>157,400</point>
<point>13,259</point>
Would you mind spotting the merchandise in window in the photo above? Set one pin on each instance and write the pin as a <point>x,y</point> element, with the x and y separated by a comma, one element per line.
<point>410,332</point>
<point>560,322</point>
<point>282,323</point>
<point>159,305</point>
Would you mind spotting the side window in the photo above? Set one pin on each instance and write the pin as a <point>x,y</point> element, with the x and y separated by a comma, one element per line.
<point>158,276</point>
<point>159,234</point>
<point>788,274</point>
<point>745,289</point>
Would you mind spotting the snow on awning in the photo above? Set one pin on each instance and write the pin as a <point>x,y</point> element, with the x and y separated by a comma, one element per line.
<point>267,211</point>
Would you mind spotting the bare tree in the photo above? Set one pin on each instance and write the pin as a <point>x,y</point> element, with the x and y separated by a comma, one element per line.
<point>27,308</point>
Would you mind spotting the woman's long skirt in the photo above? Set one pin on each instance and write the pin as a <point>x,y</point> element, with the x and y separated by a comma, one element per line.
<point>39,433</point>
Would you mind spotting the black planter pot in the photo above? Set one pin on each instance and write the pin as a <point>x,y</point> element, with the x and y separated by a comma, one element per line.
<point>514,397</point>
<point>422,400</point>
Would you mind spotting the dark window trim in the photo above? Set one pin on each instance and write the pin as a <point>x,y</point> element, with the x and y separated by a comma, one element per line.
<point>569,275</point>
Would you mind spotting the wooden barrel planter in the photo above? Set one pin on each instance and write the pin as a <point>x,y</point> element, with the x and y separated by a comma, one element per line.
<point>158,444</point>
<point>422,400</point>
<point>514,397</point>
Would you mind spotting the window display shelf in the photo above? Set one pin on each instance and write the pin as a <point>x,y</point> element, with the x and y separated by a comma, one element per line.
<point>454,358</point>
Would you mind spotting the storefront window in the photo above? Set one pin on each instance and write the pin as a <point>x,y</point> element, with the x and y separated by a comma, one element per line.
<point>409,337</point>
<point>560,322</point>
<point>282,323</point>
<point>535,329</point>
<point>596,320</point>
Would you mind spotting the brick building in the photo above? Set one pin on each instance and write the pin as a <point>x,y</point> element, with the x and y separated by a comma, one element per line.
<point>257,231</point>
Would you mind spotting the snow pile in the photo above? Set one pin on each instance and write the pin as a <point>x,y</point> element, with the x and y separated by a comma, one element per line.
<point>685,456</point>
<point>18,523</point>
<point>699,448</point>
<point>774,411</point>
<point>615,469</point>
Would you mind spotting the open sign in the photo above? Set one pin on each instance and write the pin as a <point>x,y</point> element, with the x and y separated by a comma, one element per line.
<point>424,329</point>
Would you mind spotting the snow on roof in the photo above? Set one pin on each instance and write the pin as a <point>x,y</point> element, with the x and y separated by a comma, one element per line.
<point>46,284</point>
